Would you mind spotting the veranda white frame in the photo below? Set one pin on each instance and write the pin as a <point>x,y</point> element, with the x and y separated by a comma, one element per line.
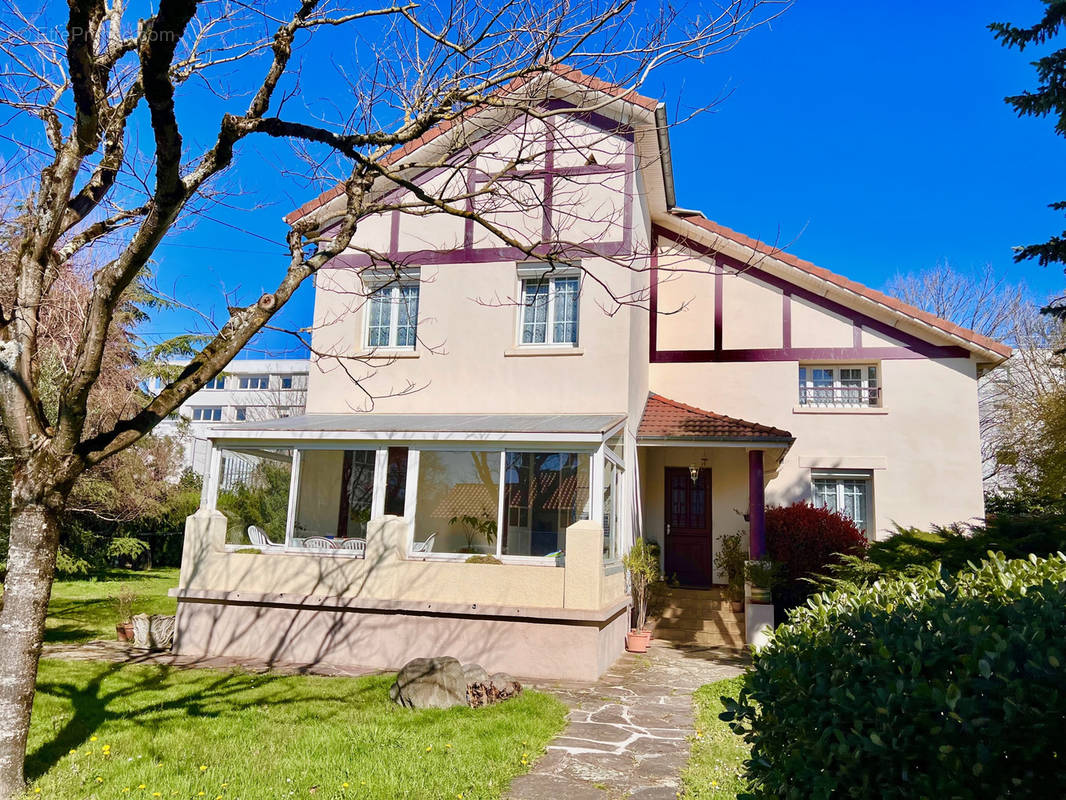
<point>594,445</point>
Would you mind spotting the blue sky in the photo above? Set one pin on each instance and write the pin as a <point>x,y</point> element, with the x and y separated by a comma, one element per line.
<point>869,138</point>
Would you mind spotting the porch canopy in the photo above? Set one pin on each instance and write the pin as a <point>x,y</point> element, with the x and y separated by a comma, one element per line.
<point>506,485</point>
<point>668,423</point>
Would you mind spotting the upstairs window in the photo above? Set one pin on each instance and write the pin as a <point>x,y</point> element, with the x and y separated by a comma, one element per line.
<point>253,382</point>
<point>207,414</point>
<point>240,413</point>
<point>550,310</point>
<point>218,382</point>
<point>392,317</point>
<point>850,386</point>
<point>286,381</point>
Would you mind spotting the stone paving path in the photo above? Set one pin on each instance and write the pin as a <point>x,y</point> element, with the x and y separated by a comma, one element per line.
<point>628,734</point>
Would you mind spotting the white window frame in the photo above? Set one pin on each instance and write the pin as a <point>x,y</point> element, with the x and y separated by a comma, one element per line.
<point>541,273</point>
<point>806,388</point>
<point>216,383</point>
<point>839,478</point>
<point>216,414</point>
<point>244,382</point>
<point>394,288</point>
<point>240,413</point>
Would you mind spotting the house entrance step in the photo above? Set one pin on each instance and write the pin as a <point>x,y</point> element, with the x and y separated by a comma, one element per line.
<point>718,622</point>
<point>702,617</point>
<point>729,639</point>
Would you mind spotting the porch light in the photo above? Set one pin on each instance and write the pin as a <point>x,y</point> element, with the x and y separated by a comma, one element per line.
<point>694,470</point>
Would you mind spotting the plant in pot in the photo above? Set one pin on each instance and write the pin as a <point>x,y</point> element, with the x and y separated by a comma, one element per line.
<point>642,564</point>
<point>730,558</point>
<point>124,607</point>
<point>474,528</point>
<point>762,575</point>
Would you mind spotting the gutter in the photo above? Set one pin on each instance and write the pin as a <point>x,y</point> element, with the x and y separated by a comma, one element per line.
<point>662,131</point>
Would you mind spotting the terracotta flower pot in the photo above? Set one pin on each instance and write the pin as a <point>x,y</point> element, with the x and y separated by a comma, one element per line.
<point>125,631</point>
<point>736,605</point>
<point>638,641</point>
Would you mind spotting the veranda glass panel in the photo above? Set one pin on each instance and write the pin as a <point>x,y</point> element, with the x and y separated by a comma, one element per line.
<point>253,493</point>
<point>458,501</point>
<point>609,510</point>
<point>544,494</point>
<point>334,500</point>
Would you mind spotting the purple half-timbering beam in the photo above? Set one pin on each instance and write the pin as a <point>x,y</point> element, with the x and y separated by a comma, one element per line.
<point>481,255</point>
<point>756,507</point>
<point>912,346</point>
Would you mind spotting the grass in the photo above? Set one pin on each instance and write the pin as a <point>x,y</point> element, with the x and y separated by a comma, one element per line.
<point>107,731</point>
<point>715,769</point>
<point>84,609</point>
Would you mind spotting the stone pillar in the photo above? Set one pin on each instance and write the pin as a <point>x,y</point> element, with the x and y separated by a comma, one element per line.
<point>756,506</point>
<point>205,535</point>
<point>583,578</point>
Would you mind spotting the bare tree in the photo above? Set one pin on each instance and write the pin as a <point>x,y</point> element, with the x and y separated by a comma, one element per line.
<point>1012,397</point>
<point>114,170</point>
<point>984,302</point>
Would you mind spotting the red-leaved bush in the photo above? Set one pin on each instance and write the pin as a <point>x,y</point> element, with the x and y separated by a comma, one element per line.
<point>805,540</point>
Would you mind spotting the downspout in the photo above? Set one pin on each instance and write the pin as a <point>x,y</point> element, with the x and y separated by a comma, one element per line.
<point>662,131</point>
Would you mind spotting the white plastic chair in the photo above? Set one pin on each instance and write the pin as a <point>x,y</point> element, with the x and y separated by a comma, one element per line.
<point>258,538</point>
<point>426,546</point>
<point>358,545</point>
<point>320,542</point>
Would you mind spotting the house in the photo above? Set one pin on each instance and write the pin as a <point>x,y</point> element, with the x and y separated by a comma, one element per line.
<point>250,389</point>
<point>599,364</point>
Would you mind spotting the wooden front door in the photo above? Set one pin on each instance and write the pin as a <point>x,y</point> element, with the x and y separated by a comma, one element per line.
<point>688,552</point>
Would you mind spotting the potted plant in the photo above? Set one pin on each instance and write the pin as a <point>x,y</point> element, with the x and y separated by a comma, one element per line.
<point>642,564</point>
<point>730,558</point>
<point>762,575</point>
<point>474,528</point>
<point>124,606</point>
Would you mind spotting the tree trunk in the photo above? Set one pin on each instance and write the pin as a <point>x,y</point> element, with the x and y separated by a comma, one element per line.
<point>31,564</point>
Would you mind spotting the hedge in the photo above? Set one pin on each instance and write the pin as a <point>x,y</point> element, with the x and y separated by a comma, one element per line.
<point>930,685</point>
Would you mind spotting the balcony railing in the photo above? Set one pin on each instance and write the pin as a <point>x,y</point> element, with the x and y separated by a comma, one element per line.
<point>840,396</point>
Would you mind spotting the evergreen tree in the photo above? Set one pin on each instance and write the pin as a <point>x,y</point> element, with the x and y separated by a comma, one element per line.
<point>1049,98</point>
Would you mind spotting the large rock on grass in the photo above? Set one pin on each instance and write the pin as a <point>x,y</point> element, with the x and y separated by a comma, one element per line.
<point>430,683</point>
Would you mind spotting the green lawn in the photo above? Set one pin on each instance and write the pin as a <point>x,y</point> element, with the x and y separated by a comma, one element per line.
<point>105,731</point>
<point>83,610</point>
<point>109,731</point>
<point>715,767</point>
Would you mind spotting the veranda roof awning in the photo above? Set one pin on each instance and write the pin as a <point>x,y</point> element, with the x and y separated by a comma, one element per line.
<point>589,428</point>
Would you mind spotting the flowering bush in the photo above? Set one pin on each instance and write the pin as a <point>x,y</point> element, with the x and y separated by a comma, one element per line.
<point>806,541</point>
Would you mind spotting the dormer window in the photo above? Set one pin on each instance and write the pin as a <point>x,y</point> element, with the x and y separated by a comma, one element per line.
<point>392,317</point>
<point>549,309</point>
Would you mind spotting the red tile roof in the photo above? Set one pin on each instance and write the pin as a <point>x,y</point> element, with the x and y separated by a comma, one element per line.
<point>839,280</point>
<point>561,70</point>
<point>668,419</point>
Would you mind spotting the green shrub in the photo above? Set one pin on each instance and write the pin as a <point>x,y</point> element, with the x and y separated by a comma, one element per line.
<point>923,686</point>
<point>955,546</point>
